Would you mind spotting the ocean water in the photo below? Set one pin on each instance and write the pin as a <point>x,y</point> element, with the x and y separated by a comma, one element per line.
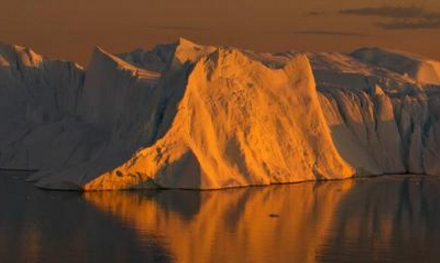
<point>382,219</point>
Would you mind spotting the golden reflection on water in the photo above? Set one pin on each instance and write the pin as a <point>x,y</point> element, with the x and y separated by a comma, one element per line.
<point>364,220</point>
<point>280,223</point>
<point>385,219</point>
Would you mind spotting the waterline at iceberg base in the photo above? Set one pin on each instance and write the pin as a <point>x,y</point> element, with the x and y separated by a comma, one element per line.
<point>189,116</point>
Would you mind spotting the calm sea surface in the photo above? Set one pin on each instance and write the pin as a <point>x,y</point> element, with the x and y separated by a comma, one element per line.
<point>388,219</point>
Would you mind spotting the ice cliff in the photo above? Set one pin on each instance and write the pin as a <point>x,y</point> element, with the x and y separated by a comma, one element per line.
<point>198,117</point>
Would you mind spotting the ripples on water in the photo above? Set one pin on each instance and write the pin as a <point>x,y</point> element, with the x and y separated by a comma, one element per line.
<point>390,219</point>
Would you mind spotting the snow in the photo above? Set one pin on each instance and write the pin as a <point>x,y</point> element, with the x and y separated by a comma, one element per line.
<point>189,116</point>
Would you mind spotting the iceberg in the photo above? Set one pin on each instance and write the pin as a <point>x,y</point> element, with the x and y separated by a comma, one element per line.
<point>184,115</point>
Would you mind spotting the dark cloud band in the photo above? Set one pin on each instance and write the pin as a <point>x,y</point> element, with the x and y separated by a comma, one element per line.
<point>399,17</point>
<point>386,11</point>
<point>330,33</point>
<point>402,25</point>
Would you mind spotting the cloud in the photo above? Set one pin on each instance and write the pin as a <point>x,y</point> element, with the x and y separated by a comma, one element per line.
<point>331,33</point>
<point>399,17</point>
<point>316,13</point>
<point>386,11</point>
<point>402,25</point>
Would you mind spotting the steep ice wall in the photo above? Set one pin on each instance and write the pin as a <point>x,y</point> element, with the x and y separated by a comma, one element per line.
<point>38,98</point>
<point>45,84</point>
<point>382,121</point>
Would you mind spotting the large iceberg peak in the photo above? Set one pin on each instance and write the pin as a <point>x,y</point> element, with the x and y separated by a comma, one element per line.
<point>237,123</point>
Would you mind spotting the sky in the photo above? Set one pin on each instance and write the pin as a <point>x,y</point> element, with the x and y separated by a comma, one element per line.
<point>70,29</point>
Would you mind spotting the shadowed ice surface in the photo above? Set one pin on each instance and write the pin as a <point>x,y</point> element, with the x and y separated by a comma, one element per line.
<point>388,219</point>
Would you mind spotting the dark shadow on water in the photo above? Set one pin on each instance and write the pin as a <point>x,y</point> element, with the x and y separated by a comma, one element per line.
<point>392,220</point>
<point>47,226</point>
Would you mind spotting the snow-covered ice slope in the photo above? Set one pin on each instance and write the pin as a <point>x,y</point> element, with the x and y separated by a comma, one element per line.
<point>421,69</point>
<point>189,116</point>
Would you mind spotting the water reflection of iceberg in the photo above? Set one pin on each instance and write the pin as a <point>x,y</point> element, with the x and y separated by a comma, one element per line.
<point>345,220</point>
<point>276,224</point>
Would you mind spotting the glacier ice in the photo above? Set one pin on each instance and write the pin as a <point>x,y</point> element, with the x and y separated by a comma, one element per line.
<point>183,115</point>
